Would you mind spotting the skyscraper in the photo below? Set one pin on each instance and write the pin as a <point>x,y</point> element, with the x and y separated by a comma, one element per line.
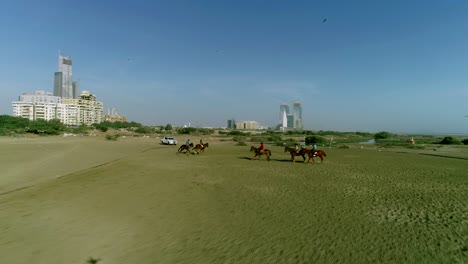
<point>75,89</point>
<point>284,112</point>
<point>231,123</point>
<point>297,112</point>
<point>63,78</point>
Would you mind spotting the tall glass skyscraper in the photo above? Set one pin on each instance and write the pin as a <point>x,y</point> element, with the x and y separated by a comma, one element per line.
<point>297,112</point>
<point>291,120</point>
<point>63,78</point>
<point>284,112</point>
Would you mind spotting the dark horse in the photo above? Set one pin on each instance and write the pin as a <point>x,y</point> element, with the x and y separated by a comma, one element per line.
<point>185,147</point>
<point>311,155</point>
<point>259,153</point>
<point>199,147</point>
<point>294,153</point>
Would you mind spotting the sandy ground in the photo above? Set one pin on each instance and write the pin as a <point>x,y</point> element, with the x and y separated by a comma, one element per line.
<point>135,201</point>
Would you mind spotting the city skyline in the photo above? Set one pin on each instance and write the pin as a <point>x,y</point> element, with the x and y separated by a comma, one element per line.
<point>291,120</point>
<point>401,69</point>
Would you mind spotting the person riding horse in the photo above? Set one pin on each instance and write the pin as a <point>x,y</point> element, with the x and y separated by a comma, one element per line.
<point>314,148</point>
<point>261,148</point>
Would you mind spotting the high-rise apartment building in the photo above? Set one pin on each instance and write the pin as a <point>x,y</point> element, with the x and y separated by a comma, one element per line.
<point>63,86</point>
<point>90,110</point>
<point>42,105</point>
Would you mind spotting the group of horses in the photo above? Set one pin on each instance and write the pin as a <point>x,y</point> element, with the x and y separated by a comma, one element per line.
<point>302,152</point>
<point>258,153</point>
<point>198,148</point>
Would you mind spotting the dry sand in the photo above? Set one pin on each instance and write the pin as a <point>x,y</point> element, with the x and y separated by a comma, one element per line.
<point>147,204</point>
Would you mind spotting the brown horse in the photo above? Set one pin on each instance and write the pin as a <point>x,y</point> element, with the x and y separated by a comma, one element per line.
<point>311,155</point>
<point>294,153</point>
<point>201,148</point>
<point>259,153</point>
<point>185,147</point>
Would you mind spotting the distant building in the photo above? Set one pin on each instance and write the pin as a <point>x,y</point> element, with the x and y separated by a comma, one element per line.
<point>231,124</point>
<point>90,110</point>
<point>297,112</point>
<point>63,86</point>
<point>39,97</point>
<point>45,106</point>
<point>113,116</point>
<point>65,104</point>
<point>75,89</point>
<point>284,112</point>
<point>249,125</point>
<point>39,105</point>
<point>291,120</point>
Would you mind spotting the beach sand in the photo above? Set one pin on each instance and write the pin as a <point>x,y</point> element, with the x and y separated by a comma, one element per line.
<point>135,201</point>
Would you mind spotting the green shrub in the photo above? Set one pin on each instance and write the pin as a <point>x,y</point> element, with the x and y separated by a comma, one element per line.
<point>274,138</point>
<point>450,141</point>
<point>238,139</point>
<point>344,147</point>
<point>465,141</point>
<point>258,139</point>
<point>144,130</point>
<point>186,130</point>
<point>318,139</point>
<point>382,135</point>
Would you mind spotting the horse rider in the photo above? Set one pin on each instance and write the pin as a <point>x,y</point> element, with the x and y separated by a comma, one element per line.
<point>201,143</point>
<point>261,148</point>
<point>314,147</point>
<point>187,142</point>
<point>297,148</point>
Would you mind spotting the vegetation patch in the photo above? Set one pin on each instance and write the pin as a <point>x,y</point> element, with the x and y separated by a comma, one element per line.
<point>113,137</point>
<point>450,141</point>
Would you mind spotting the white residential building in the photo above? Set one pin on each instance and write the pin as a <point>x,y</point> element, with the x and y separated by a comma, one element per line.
<point>39,105</point>
<point>72,112</point>
<point>39,97</point>
<point>90,110</point>
<point>250,125</point>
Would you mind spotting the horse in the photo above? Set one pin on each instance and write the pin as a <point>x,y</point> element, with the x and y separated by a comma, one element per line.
<point>185,147</point>
<point>259,153</point>
<point>311,155</point>
<point>294,153</point>
<point>199,147</point>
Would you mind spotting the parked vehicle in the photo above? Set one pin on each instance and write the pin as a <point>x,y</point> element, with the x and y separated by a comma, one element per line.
<point>168,141</point>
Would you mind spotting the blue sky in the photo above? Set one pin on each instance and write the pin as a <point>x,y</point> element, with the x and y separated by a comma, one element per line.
<point>399,66</point>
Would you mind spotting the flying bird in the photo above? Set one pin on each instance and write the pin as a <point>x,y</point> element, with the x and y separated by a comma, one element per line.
<point>324,20</point>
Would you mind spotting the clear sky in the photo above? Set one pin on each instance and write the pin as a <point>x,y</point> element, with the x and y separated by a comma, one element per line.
<point>399,66</point>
